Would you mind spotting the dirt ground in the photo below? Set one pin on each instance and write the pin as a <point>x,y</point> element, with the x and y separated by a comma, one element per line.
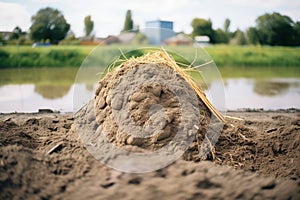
<point>257,158</point>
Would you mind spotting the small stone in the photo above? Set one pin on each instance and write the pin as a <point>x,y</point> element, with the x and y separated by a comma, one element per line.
<point>108,99</point>
<point>134,141</point>
<point>91,117</point>
<point>138,96</point>
<point>133,105</point>
<point>163,134</point>
<point>156,90</point>
<point>45,110</point>
<point>101,103</point>
<point>99,87</point>
<point>117,102</point>
<point>130,140</point>
<point>101,117</point>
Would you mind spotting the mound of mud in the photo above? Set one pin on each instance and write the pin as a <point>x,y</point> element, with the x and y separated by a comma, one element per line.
<point>145,114</point>
<point>147,105</point>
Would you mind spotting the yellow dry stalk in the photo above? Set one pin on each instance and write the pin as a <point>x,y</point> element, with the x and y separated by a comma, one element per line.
<point>162,57</point>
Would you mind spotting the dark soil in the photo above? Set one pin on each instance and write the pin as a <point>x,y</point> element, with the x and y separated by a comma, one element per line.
<point>257,158</point>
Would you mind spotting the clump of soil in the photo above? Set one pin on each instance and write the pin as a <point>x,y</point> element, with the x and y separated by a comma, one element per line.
<point>151,106</point>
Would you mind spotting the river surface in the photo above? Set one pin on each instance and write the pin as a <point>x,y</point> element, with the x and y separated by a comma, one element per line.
<point>27,90</point>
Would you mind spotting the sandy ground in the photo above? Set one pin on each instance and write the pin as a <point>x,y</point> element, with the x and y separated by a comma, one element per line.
<point>257,158</point>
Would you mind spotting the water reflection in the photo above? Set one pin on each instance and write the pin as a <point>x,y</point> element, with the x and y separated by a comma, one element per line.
<point>52,91</point>
<point>27,90</point>
<point>23,98</point>
<point>50,83</point>
<point>271,88</point>
<point>249,93</point>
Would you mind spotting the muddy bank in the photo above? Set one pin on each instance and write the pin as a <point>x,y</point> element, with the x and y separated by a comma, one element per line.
<point>257,158</point>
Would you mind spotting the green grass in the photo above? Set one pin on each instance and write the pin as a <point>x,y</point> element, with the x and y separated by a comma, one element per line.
<point>73,56</point>
<point>255,56</point>
<point>55,56</point>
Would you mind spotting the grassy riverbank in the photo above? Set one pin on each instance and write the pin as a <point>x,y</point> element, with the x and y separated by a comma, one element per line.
<point>56,56</point>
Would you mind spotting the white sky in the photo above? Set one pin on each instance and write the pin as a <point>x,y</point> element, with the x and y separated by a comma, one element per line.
<point>109,15</point>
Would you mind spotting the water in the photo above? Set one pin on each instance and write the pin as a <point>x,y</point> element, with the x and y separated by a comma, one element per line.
<point>27,90</point>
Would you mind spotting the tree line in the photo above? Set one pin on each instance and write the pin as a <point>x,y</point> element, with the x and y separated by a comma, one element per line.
<point>270,29</point>
<point>49,25</point>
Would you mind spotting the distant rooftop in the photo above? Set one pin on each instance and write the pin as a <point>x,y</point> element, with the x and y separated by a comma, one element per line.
<point>159,24</point>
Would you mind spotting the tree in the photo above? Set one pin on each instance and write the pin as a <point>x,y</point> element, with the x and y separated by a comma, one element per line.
<point>16,33</point>
<point>88,25</point>
<point>239,38</point>
<point>275,29</point>
<point>226,25</point>
<point>17,36</point>
<point>49,24</point>
<point>296,28</point>
<point>128,24</point>
<point>221,36</point>
<point>2,41</point>
<point>202,27</point>
<point>252,36</point>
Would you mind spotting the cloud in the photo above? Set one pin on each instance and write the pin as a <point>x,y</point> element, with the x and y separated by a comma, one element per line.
<point>12,15</point>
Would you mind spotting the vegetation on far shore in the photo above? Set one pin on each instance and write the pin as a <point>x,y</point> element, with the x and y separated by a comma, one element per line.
<point>73,56</point>
<point>231,48</point>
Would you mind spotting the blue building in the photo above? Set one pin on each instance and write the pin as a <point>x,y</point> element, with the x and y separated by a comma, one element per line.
<point>157,31</point>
